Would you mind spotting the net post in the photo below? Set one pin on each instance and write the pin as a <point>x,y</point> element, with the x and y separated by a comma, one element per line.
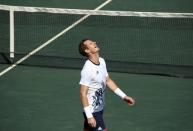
<point>12,44</point>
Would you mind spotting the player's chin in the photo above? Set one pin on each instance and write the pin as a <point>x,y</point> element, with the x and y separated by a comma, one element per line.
<point>97,49</point>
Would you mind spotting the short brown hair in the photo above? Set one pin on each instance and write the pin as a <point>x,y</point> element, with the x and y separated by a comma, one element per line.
<point>83,47</point>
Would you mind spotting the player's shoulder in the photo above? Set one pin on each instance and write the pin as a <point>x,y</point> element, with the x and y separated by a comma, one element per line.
<point>102,60</point>
<point>86,65</point>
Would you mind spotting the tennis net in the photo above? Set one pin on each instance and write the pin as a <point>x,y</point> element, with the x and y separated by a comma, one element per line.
<point>134,42</point>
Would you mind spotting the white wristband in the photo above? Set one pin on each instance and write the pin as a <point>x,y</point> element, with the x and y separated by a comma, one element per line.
<point>120,93</point>
<point>88,112</point>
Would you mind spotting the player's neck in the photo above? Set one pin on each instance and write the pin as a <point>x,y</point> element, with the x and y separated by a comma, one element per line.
<point>94,58</point>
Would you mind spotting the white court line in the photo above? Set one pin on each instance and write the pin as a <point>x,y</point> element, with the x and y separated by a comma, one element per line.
<point>50,40</point>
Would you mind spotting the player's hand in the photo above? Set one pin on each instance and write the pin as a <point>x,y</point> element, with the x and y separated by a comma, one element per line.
<point>92,122</point>
<point>129,100</point>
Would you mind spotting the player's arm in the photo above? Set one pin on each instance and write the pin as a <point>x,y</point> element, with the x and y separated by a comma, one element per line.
<point>85,104</point>
<point>112,86</point>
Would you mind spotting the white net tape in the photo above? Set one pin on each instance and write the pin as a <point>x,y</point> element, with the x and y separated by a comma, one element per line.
<point>98,12</point>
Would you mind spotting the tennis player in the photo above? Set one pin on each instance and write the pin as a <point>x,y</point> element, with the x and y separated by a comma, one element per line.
<point>94,78</point>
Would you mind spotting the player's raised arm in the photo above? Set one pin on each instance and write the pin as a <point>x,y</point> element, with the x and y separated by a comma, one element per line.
<point>112,85</point>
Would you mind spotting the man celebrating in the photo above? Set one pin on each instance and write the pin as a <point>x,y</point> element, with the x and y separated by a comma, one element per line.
<point>94,78</point>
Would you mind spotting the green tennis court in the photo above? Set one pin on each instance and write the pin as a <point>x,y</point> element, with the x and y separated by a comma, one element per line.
<point>149,57</point>
<point>33,98</point>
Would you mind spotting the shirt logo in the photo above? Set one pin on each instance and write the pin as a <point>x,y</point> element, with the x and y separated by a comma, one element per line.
<point>98,98</point>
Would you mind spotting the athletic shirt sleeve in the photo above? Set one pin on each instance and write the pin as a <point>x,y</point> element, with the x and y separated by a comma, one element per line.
<point>85,76</point>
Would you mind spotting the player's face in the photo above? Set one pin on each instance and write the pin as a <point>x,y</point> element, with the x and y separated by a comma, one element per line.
<point>91,47</point>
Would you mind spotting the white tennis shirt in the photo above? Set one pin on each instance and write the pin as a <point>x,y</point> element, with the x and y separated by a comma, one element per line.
<point>94,77</point>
